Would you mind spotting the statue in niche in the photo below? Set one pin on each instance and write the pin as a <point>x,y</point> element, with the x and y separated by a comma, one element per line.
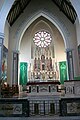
<point>38,75</point>
<point>43,66</point>
<point>50,75</point>
<point>43,75</point>
<point>43,59</point>
<point>43,62</point>
<point>47,64</point>
<point>35,64</point>
<point>46,75</point>
<point>38,63</point>
<point>35,75</point>
<point>50,63</point>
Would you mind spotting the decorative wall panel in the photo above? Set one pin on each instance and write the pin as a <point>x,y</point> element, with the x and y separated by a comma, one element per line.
<point>63,71</point>
<point>23,73</point>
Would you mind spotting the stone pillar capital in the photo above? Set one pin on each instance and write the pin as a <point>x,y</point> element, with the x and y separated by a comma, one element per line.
<point>69,49</point>
<point>1,35</point>
<point>1,38</point>
<point>16,51</point>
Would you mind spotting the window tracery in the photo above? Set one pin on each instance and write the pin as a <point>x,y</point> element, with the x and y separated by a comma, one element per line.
<point>42,39</point>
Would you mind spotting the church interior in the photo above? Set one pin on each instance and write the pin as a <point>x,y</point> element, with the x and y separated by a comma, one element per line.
<point>39,58</point>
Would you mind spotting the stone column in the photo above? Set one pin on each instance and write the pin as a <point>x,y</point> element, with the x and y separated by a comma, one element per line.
<point>1,53</point>
<point>69,54</point>
<point>15,68</point>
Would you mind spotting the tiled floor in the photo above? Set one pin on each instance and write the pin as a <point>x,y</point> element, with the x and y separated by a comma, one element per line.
<point>41,118</point>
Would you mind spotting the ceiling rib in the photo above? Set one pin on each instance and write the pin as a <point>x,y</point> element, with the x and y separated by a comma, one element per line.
<point>66,7</point>
<point>16,10</point>
<point>19,6</point>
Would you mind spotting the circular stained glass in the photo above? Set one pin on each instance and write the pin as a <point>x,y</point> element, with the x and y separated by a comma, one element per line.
<point>42,39</point>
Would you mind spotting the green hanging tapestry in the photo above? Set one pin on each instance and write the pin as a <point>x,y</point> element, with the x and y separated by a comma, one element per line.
<point>23,73</point>
<point>63,71</point>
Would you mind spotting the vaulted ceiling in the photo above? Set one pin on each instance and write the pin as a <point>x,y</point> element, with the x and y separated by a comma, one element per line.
<point>16,10</point>
<point>19,5</point>
<point>66,7</point>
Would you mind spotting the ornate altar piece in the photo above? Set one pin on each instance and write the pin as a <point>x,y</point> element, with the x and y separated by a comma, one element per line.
<point>44,66</point>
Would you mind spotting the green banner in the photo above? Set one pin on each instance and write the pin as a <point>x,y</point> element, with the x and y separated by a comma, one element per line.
<point>23,73</point>
<point>63,71</point>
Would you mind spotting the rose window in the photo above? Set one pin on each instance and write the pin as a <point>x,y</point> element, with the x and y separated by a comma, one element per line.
<point>42,39</point>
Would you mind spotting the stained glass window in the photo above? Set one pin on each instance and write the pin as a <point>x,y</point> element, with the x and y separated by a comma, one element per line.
<point>42,39</point>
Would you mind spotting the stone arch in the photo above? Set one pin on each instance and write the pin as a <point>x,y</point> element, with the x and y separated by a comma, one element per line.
<point>45,27</point>
<point>52,18</point>
<point>8,4</point>
<point>44,23</point>
<point>48,26</point>
<point>4,12</point>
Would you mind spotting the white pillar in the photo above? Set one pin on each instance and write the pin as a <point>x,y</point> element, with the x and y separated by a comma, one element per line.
<point>73,63</point>
<point>4,12</point>
<point>1,53</point>
<point>70,64</point>
<point>15,68</point>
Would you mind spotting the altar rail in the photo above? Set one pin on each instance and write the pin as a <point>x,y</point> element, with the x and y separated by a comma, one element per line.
<point>11,107</point>
<point>70,106</point>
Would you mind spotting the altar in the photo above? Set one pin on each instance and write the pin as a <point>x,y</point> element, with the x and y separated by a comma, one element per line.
<point>44,97</point>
